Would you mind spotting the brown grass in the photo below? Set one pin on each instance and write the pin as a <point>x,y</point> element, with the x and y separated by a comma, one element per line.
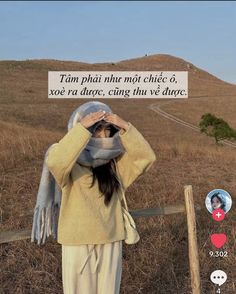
<point>221,106</point>
<point>159,262</point>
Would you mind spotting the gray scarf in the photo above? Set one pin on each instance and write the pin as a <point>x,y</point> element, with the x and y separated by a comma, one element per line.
<point>97,152</point>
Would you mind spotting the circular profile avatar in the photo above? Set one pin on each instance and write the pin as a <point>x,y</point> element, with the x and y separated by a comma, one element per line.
<point>218,198</point>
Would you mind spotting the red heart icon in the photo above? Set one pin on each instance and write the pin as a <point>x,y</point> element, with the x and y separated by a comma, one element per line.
<point>218,240</point>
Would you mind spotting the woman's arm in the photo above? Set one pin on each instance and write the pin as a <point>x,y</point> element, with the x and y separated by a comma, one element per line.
<point>63,155</point>
<point>138,157</point>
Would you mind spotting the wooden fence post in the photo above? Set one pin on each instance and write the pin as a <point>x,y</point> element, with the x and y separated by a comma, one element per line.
<point>192,240</point>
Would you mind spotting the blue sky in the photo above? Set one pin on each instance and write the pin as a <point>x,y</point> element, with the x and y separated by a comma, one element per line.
<point>201,32</point>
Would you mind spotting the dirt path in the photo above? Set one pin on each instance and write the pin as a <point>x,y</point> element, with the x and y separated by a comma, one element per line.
<point>157,108</point>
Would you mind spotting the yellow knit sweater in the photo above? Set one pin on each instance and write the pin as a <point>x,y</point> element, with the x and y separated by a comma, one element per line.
<point>84,218</point>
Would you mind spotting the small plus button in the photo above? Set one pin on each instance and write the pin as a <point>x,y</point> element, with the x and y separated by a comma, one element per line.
<point>218,214</point>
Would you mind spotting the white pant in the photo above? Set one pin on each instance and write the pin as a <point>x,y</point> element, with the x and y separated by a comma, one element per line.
<point>92,269</point>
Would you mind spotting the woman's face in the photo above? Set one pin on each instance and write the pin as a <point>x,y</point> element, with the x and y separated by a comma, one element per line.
<point>102,132</point>
<point>216,203</point>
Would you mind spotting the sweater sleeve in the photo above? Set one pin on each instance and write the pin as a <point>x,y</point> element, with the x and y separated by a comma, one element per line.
<point>63,155</point>
<point>138,157</point>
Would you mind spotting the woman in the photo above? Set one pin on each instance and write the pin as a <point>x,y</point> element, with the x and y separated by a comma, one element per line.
<point>100,152</point>
<point>217,202</point>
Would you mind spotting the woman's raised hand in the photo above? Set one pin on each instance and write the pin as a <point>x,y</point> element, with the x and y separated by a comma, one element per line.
<point>91,118</point>
<point>116,120</point>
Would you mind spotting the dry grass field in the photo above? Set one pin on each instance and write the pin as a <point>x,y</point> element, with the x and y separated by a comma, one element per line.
<point>222,106</point>
<point>158,263</point>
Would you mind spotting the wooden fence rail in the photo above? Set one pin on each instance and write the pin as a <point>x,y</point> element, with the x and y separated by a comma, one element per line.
<point>188,208</point>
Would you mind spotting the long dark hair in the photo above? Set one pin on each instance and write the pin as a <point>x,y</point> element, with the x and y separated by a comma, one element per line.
<point>106,176</point>
<point>107,180</point>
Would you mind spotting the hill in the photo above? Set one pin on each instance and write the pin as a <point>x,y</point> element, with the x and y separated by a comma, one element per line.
<point>28,79</point>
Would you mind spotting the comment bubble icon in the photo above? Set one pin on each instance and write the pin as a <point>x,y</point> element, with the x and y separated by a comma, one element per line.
<point>218,277</point>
